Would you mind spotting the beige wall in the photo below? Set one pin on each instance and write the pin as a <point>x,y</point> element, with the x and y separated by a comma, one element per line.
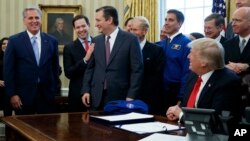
<point>11,15</point>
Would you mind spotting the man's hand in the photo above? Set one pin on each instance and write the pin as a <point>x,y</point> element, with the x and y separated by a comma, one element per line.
<point>2,83</point>
<point>173,112</point>
<point>16,102</point>
<point>86,99</point>
<point>129,99</point>
<point>89,52</point>
<point>237,67</point>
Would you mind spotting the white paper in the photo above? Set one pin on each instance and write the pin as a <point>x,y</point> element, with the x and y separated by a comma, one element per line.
<point>163,137</point>
<point>130,116</point>
<point>148,127</point>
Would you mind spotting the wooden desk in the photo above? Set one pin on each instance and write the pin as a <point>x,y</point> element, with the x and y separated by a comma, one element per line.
<point>65,127</point>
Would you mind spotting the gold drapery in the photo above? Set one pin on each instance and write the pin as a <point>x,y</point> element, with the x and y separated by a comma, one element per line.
<point>148,9</point>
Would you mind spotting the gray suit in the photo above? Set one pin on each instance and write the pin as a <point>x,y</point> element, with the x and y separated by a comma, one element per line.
<point>123,73</point>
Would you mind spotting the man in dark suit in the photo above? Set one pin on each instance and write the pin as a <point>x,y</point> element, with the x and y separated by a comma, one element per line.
<point>31,67</point>
<point>115,70</point>
<point>153,59</point>
<point>75,58</point>
<point>237,51</point>
<point>219,87</point>
<point>213,25</point>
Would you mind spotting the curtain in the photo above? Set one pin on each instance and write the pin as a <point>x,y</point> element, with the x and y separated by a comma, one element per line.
<point>148,9</point>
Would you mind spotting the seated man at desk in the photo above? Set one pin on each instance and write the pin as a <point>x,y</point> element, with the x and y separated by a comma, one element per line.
<point>210,84</point>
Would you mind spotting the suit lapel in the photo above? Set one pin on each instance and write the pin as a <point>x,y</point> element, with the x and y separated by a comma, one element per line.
<point>27,43</point>
<point>44,49</point>
<point>209,84</point>
<point>118,43</point>
<point>79,49</point>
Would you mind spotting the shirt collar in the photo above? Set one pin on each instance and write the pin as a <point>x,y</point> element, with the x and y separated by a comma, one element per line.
<point>31,35</point>
<point>218,38</point>
<point>206,76</point>
<point>174,35</point>
<point>114,33</point>
<point>89,39</point>
<point>246,38</point>
<point>142,43</point>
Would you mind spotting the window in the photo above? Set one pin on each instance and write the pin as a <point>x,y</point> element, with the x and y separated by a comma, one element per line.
<point>195,11</point>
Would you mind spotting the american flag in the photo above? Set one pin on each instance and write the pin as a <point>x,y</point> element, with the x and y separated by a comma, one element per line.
<point>219,6</point>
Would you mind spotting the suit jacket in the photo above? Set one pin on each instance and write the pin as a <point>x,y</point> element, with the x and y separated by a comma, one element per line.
<point>74,68</point>
<point>123,73</point>
<point>21,72</point>
<point>221,92</point>
<point>223,40</point>
<point>152,84</point>
<point>233,54</point>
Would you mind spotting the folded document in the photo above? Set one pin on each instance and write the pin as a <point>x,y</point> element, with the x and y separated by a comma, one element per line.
<point>149,127</point>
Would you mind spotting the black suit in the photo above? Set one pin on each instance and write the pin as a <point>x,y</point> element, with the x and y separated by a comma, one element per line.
<point>74,68</point>
<point>152,84</point>
<point>63,38</point>
<point>221,92</point>
<point>123,73</point>
<point>223,40</point>
<point>233,54</point>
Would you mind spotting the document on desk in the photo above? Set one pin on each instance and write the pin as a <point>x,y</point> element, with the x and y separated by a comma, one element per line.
<point>129,116</point>
<point>123,119</point>
<point>163,137</point>
<point>149,127</point>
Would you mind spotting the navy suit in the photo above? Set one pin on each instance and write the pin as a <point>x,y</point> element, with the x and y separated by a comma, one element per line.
<point>74,68</point>
<point>221,92</point>
<point>123,73</point>
<point>21,72</point>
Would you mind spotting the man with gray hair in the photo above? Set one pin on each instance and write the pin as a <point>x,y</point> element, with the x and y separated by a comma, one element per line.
<point>31,67</point>
<point>153,59</point>
<point>210,84</point>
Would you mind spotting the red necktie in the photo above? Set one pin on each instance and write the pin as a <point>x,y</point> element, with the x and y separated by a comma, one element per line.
<point>192,98</point>
<point>86,44</point>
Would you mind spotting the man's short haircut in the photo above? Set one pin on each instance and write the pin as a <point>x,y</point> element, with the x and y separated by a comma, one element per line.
<point>80,17</point>
<point>144,22</point>
<point>179,15</point>
<point>31,9</point>
<point>109,11</point>
<point>219,19</point>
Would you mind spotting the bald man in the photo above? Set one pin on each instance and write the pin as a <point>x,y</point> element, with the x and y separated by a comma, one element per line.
<point>237,49</point>
<point>239,3</point>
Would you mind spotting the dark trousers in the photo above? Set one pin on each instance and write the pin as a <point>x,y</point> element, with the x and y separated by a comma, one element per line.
<point>40,105</point>
<point>102,103</point>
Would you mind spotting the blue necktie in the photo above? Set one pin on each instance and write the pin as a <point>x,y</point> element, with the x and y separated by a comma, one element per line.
<point>35,48</point>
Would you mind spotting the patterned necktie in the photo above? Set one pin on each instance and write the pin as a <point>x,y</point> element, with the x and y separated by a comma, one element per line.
<point>35,48</point>
<point>86,45</point>
<point>192,98</point>
<point>242,45</point>
<point>107,49</point>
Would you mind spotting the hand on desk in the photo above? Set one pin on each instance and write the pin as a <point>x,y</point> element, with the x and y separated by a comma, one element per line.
<point>86,99</point>
<point>173,112</point>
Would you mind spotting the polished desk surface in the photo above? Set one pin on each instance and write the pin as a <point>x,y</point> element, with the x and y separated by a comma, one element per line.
<point>66,127</point>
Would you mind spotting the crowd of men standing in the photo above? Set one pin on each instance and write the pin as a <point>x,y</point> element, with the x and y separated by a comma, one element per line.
<point>124,65</point>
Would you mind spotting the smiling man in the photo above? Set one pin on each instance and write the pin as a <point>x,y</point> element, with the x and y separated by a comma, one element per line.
<point>115,69</point>
<point>31,67</point>
<point>75,58</point>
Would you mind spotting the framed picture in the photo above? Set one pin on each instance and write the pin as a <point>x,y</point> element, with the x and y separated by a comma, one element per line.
<point>56,21</point>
